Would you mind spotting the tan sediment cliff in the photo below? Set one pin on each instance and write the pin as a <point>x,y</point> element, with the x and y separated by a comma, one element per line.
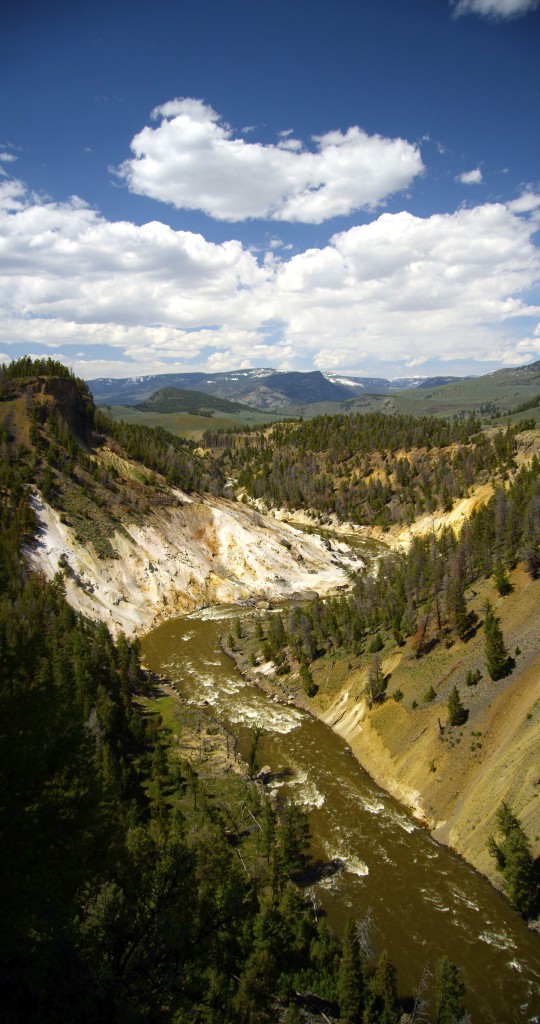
<point>454,779</point>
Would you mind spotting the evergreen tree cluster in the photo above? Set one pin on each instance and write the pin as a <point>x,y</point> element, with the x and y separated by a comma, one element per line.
<point>126,896</point>
<point>421,594</point>
<point>177,459</point>
<point>355,466</point>
<point>27,367</point>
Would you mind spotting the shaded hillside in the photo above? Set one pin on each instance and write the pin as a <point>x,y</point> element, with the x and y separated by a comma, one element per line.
<point>133,390</point>
<point>437,382</point>
<point>30,390</point>
<point>52,418</point>
<point>494,396</point>
<point>306,387</point>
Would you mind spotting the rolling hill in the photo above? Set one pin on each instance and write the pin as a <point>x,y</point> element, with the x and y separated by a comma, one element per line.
<point>176,400</point>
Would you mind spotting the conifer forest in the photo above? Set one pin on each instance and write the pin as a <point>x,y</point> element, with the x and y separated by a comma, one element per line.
<point>131,892</point>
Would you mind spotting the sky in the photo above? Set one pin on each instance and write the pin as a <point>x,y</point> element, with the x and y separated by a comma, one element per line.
<point>190,185</point>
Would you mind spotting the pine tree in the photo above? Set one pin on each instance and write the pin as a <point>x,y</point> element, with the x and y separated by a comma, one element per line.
<point>308,682</point>
<point>376,681</point>
<point>376,644</point>
<point>498,662</point>
<point>515,862</point>
<point>381,1007</point>
<point>502,583</point>
<point>350,986</point>
<point>252,760</point>
<point>457,713</point>
<point>449,992</point>
<point>268,829</point>
<point>324,960</point>
<point>531,557</point>
<point>456,607</point>
<point>256,987</point>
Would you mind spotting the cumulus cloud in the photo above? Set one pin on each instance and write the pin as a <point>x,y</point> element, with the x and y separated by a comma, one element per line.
<point>447,284</point>
<point>473,177</point>
<point>497,9</point>
<point>400,288</point>
<point>64,259</point>
<point>193,160</point>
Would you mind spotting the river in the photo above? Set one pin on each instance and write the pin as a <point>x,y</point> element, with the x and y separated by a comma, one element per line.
<point>423,899</point>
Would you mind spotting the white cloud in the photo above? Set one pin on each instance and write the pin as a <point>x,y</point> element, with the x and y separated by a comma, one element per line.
<point>5,158</point>
<point>404,285</point>
<point>495,8</point>
<point>526,203</point>
<point>12,195</point>
<point>473,177</point>
<point>64,260</point>
<point>193,161</point>
<point>400,288</point>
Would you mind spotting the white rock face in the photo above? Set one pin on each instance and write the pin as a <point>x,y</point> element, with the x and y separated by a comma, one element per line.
<point>201,551</point>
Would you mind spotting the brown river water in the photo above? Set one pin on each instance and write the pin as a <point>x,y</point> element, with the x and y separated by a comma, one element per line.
<point>423,899</point>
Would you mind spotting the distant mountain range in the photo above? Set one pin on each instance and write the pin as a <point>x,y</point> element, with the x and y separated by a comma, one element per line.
<point>262,388</point>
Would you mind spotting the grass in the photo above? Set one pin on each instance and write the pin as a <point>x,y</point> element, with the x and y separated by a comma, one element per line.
<point>493,396</point>
<point>485,395</point>
<point>186,424</point>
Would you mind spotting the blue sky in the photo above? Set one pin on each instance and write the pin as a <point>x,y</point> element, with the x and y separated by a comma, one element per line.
<point>345,187</point>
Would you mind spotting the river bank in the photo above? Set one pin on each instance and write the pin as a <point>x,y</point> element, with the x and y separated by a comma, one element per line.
<point>453,780</point>
<point>424,901</point>
<point>200,553</point>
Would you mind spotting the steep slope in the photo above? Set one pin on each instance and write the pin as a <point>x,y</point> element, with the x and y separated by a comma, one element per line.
<point>141,525</point>
<point>455,778</point>
<point>199,550</point>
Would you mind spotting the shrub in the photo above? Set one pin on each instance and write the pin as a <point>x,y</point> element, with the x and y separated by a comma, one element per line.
<point>376,644</point>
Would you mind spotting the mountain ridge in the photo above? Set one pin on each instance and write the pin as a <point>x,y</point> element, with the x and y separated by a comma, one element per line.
<point>281,386</point>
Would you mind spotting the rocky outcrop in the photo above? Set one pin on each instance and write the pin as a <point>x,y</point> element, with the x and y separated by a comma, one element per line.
<point>196,552</point>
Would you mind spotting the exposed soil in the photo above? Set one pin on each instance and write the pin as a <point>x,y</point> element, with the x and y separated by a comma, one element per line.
<point>454,778</point>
